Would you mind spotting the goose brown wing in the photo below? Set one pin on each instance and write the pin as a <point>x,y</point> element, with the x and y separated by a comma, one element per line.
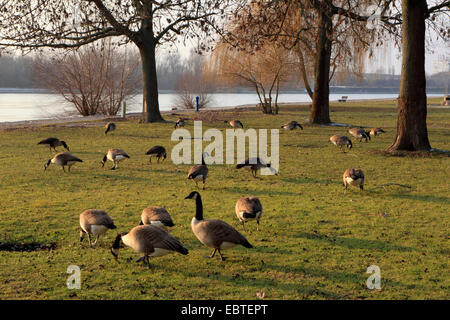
<point>157,238</point>
<point>197,170</point>
<point>121,152</point>
<point>66,157</point>
<point>48,141</point>
<point>98,217</point>
<point>249,205</point>
<point>223,232</point>
<point>157,214</point>
<point>156,150</point>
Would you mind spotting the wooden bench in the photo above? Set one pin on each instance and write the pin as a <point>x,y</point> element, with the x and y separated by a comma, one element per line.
<point>343,99</point>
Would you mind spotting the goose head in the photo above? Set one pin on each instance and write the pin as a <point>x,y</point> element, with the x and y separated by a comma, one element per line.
<point>116,245</point>
<point>47,164</point>
<point>193,195</point>
<point>65,145</point>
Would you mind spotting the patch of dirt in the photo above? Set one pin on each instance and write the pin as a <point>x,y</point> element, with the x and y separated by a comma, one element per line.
<point>27,247</point>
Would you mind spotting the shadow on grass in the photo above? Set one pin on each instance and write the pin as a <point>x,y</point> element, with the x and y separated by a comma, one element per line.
<point>334,276</point>
<point>140,136</point>
<point>257,284</point>
<point>418,197</point>
<point>261,192</point>
<point>306,180</point>
<point>353,243</point>
<point>118,177</point>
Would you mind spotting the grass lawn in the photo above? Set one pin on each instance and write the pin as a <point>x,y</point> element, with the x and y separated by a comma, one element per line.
<point>313,243</point>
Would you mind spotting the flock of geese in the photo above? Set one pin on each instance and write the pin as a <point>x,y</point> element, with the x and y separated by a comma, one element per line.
<point>150,238</point>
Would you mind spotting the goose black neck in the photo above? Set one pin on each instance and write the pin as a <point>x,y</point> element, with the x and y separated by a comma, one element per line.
<point>116,244</point>
<point>198,208</point>
<point>203,160</point>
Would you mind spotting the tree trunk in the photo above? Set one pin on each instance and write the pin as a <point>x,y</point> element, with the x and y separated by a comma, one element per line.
<point>320,111</point>
<point>149,84</point>
<point>412,133</point>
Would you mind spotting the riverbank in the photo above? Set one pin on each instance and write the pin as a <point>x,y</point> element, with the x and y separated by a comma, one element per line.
<point>97,120</point>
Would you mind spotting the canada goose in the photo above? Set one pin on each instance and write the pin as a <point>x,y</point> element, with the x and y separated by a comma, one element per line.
<point>340,140</point>
<point>376,132</point>
<point>158,152</point>
<point>236,124</point>
<point>114,155</point>
<point>359,133</point>
<point>63,159</point>
<point>53,143</point>
<point>353,177</point>
<point>110,126</point>
<point>292,125</point>
<point>255,164</point>
<point>149,240</point>
<point>199,172</point>
<point>214,233</point>
<point>180,123</point>
<point>157,216</point>
<point>95,222</point>
<point>249,208</point>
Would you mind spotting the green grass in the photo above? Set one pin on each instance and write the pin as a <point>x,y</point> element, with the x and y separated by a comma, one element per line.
<point>315,242</point>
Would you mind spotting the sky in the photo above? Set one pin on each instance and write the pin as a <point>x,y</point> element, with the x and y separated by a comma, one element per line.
<point>437,59</point>
<point>389,58</point>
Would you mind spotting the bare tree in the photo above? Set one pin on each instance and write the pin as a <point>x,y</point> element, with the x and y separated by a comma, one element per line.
<point>264,70</point>
<point>194,82</point>
<point>95,79</point>
<point>147,24</point>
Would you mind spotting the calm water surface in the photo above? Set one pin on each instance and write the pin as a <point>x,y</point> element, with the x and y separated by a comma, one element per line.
<point>35,106</point>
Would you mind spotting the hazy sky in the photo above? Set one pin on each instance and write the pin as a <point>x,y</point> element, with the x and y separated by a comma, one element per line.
<point>436,60</point>
<point>437,57</point>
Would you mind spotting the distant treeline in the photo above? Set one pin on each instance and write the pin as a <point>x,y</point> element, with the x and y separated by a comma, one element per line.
<point>17,72</point>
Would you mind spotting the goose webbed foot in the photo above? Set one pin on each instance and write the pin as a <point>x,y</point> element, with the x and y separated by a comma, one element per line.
<point>221,256</point>
<point>212,255</point>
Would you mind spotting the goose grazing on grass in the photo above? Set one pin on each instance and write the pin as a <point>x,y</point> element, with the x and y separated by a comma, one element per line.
<point>150,241</point>
<point>110,126</point>
<point>292,125</point>
<point>353,177</point>
<point>214,233</point>
<point>340,140</point>
<point>200,172</point>
<point>115,155</point>
<point>236,124</point>
<point>156,216</point>
<point>249,208</point>
<point>53,143</point>
<point>96,223</point>
<point>63,159</point>
<point>255,164</point>
<point>376,132</point>
<point>158,152</point>
<point>359,133</point>
<point>180,123</point>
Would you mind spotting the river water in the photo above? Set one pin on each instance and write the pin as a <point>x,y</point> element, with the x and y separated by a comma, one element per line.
<point>23,106</point>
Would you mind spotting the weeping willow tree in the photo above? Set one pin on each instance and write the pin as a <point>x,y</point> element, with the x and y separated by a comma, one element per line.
<point>325,36</point>
<point>264,71</point>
